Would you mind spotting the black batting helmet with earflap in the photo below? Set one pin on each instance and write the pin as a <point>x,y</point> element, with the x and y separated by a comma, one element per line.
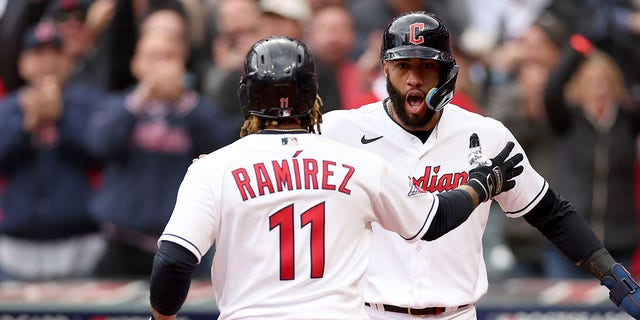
<point>279,79</point>
<point>422,35</point>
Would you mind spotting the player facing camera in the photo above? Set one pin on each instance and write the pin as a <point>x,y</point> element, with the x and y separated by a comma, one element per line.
<point>422,35</point>
<point>437,144</point>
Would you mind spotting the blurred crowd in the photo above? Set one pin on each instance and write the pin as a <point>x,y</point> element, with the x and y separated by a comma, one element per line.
<point>104,104</point>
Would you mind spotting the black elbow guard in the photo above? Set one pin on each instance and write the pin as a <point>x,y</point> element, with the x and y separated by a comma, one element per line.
<point>558,220</point>
<point>171,277</point>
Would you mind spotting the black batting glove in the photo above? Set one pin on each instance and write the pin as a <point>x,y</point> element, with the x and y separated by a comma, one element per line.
<point>490,180</point>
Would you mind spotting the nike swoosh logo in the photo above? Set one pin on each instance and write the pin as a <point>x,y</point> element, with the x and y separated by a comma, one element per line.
<point>365,140</point>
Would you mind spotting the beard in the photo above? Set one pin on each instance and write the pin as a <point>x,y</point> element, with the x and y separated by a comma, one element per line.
<point>397,103</point>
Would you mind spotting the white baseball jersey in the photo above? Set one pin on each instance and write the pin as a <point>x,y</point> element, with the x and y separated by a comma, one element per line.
<point>291,216</point>
<point>449,271</point>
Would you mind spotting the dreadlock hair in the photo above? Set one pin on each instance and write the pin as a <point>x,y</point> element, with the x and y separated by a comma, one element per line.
<point>310,122</point>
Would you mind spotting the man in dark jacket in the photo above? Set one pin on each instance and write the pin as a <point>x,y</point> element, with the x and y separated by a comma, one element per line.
<point>45,229</point>
<point>147,137</point>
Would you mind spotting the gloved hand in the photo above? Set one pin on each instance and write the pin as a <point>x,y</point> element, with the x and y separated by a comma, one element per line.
<point>490,180</point>
<point>623,290</point>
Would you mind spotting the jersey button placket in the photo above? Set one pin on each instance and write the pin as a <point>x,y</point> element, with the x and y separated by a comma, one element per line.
<point>421,268</point>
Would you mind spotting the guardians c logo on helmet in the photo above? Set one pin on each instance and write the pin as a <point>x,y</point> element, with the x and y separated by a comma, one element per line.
<point>422,35</point>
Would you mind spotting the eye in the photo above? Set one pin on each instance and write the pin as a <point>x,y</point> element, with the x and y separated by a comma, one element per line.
<point>429,65</point>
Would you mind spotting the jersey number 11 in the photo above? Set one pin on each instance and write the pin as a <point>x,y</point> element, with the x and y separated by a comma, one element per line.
<point>314,218</point>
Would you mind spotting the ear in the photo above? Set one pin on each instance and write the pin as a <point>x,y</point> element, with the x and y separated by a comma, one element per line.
<point>385,68</point>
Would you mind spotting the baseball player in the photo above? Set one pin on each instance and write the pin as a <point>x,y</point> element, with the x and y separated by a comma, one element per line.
<point>290,211</point>
<point>416,128</point>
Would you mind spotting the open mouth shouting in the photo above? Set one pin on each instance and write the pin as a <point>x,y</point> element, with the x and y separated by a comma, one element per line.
<point>415,102</point>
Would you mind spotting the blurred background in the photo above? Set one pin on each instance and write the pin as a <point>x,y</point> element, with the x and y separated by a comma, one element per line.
<point>103,104</point>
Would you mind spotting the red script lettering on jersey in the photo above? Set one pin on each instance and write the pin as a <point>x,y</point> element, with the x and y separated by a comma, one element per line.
<point>289,174</point>
<point>431,181</point>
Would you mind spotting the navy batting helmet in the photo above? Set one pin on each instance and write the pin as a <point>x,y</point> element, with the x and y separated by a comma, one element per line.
<point>422,35</point>
<point>279,79</point>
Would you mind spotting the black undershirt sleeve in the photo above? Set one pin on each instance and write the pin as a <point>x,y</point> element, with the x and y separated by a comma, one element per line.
<point>171,277</point>
<point>454,208</point>
<point>558,220</point>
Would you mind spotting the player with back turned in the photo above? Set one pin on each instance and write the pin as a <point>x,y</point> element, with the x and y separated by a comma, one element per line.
<point>417,129</point>
<point>290,211</point>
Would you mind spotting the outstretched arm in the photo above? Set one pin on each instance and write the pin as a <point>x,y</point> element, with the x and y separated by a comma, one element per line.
<point>558,221</point>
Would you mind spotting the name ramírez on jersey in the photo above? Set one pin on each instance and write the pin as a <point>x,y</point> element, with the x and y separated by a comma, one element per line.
<point>288,174</point>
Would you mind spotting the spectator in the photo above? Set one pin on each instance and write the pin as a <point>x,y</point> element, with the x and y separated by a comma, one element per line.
<point>332,40</point>
<point>81,24</point>
<point>615,25</point>
<point>117,42</point>
<point>16,18</point>
<point>147,137</point>
<point>172,21</point>
<point>521,69</point>
<point>195,12</point>
<point>284,17</point>
<point>589,110</point>
<point>280,17</point>
<point>232,41</point>
<point>46,231</point>
<point>290,18</point>
<point>467,94</point>
<point>503,19</point>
